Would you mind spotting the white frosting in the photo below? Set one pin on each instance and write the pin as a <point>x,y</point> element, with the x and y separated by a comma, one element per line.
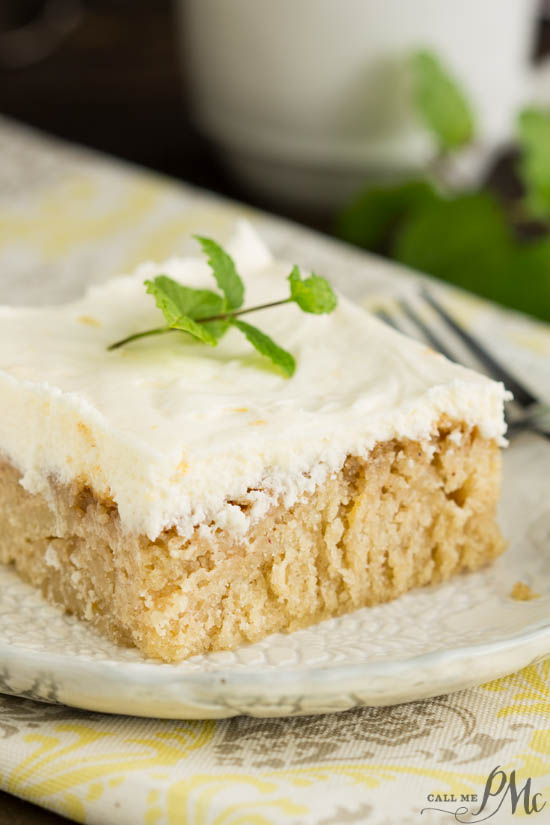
<point>180,434</point>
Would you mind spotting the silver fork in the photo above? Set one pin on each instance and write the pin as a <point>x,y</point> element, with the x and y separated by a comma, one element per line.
<point>525,412</point>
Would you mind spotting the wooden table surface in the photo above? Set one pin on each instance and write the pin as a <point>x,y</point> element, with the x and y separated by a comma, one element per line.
<point>114,83</point>
<point>14,811</point>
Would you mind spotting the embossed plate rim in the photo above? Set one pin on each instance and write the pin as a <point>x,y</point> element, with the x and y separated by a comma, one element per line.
<point>169,673</point>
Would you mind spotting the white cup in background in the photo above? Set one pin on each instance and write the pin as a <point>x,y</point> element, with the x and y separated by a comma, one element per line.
<point>307,99</point>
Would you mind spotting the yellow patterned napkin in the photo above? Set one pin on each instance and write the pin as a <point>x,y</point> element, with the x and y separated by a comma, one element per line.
<point>68,218</point>
<point>416,763</point>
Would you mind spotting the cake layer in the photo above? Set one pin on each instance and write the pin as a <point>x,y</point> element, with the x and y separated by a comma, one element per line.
<point>178,435</point>
<point>408,514</point>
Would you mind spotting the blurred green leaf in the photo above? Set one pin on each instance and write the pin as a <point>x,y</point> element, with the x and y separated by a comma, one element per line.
<point>441,102</point>
<point>374,214</point>
<point>531,275</point>
<point>466,240</point>
<point>463,239</point>
<point>534,139</point>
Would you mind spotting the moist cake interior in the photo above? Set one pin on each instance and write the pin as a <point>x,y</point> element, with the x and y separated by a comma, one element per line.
<point>411,513</point>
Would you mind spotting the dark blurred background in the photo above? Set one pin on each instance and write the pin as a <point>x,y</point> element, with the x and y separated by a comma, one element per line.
<point>107,74</point>
<point>104,73</point>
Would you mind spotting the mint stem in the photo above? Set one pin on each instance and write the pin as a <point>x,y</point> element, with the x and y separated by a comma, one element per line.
<point>224,316</point>
<point>136,335</point>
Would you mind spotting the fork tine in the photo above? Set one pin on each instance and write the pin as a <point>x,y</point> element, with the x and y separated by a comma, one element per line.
<point>428,334</point>
<point>522,396</point>
<point>386,317</point>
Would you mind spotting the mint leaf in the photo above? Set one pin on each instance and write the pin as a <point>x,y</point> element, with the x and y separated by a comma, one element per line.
<point>176,300</point>
<point>441,102</point>
<point>216,328</point>
<point>534,167</point>
<point>199,331</point>
<point>223,269</point>
<point>181,305</point>
<point>313,294</point>
<point>371,217</point>
<point>266,346</point>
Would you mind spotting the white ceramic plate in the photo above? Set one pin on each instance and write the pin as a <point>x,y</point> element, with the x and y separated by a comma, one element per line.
<point>428,642</point>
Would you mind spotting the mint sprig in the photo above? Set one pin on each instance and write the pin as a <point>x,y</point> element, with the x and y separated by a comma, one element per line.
<point>481,238</point>
<point>207,315</point>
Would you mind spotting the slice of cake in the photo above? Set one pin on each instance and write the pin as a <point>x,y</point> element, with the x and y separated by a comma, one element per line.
<point>185,498</point>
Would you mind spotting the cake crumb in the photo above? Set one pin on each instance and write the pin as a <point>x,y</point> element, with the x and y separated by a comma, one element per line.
<point>51,558</point>
<point>521,592</point>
